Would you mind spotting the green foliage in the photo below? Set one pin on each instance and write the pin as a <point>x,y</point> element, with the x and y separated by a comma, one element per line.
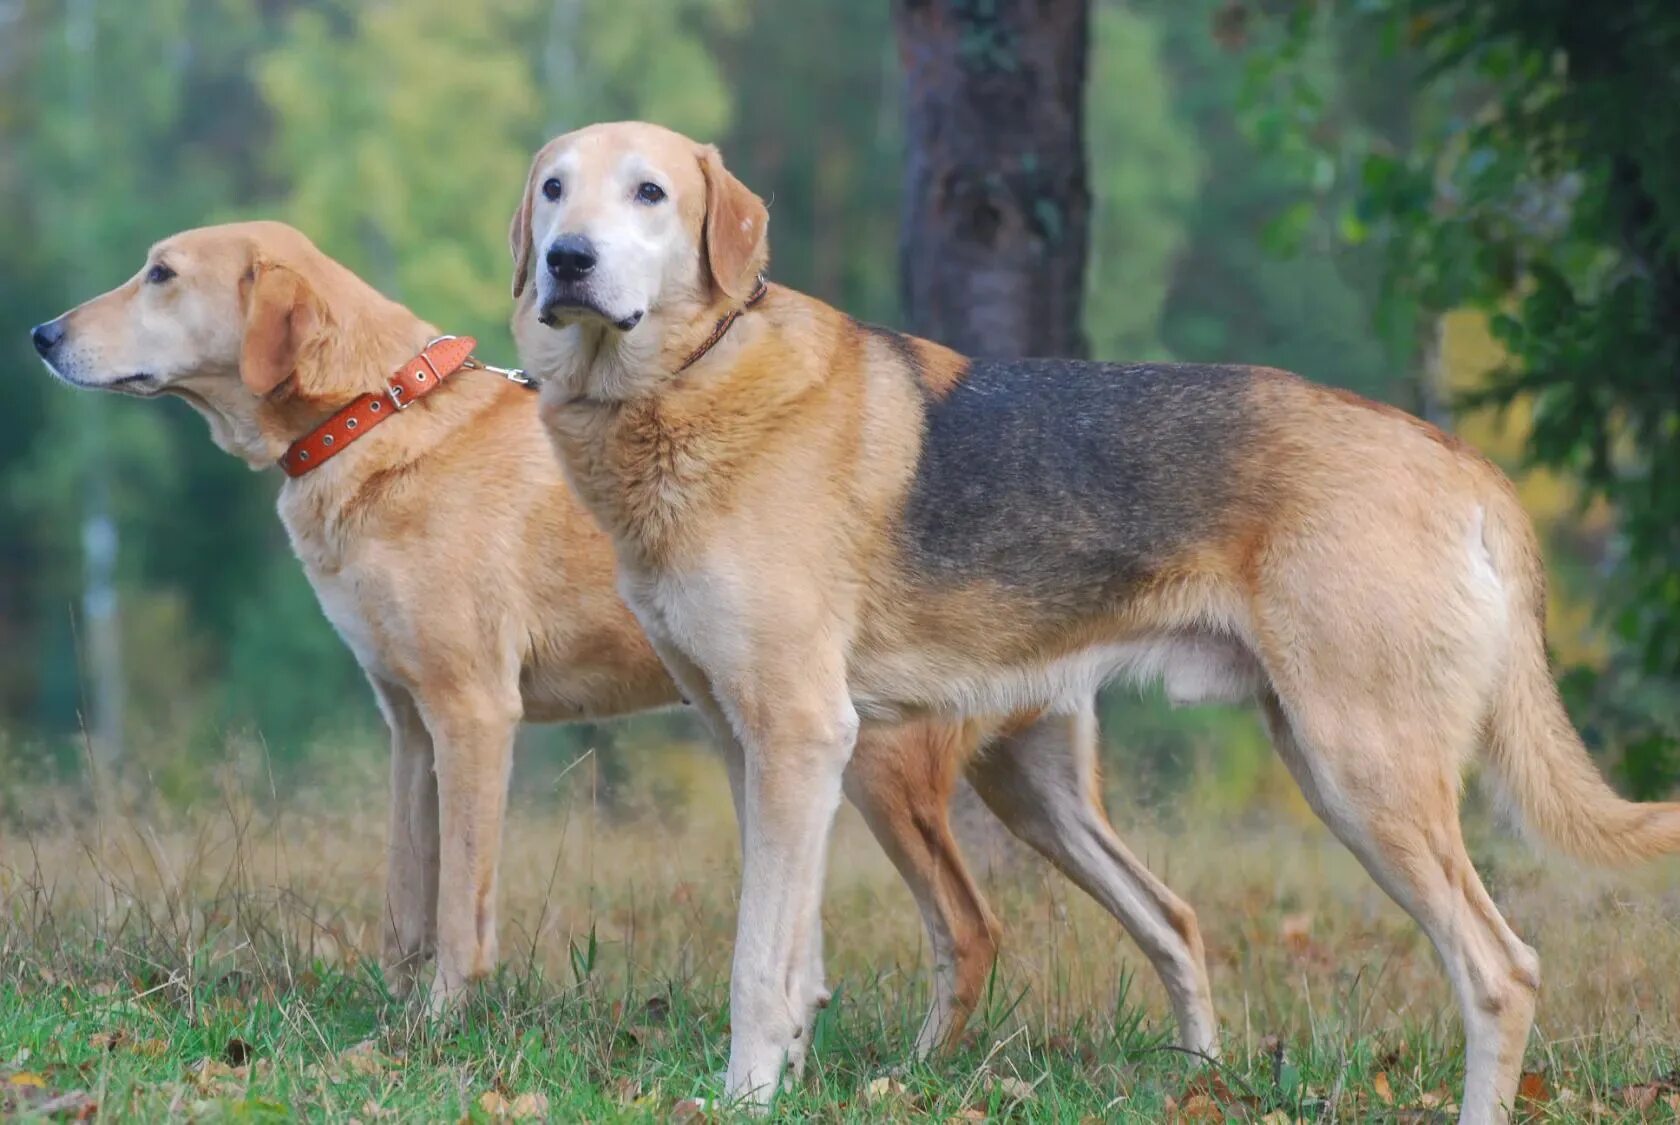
<point>1146,168</point>
<point>1231,297</point>
<point>382,167</point>
<point>1533,181</point>
<point>397,136</point>
<point>825,151</point>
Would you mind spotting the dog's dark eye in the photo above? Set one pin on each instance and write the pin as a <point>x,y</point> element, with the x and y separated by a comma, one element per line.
<point>159,274</point>
<point>650,193</point>
<point>551,189</point>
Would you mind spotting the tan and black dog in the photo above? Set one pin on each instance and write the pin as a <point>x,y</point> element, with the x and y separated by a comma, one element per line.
<point>471,606</point>
<point>820,522</point>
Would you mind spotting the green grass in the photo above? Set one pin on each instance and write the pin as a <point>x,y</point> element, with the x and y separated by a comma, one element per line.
<point>334,1044</point>
<point>215,966</point>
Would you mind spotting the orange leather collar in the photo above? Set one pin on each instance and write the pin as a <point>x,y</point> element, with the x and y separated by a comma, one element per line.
<point>415,379</point>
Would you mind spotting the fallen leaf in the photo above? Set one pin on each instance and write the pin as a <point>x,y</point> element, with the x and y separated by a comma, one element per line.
<point>529,1105</point>
<point>238,1052</point>
<point>1208,1083</point>
<point>1532,1089</point>
<point>1200,1107</point>
<point>208,1074</point>
<point>1436,1098</point>
<point>656,1010</point>
<point>1380,1087</point>
<point>366,1059</point>
<point>968,1113</point>
<point>1296,931</point>
<point>883,1089</point>
<point>1012,1088</point>
<point>107,1040</point>
<point>493,1104</point>
<point>27,1078</point>
<point>689,1111</point>
<point>151,1048</point>
<point>77,1105</point>
<point>1642,1096</point>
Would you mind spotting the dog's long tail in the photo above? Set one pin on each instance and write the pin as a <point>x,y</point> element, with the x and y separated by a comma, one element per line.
<point>1533,747</point>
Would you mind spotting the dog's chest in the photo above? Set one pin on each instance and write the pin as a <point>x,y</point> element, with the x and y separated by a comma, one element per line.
<point>353,610</point>
<point>696,610</point>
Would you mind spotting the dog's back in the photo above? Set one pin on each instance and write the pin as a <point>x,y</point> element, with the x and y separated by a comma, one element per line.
<point>1053,479</point>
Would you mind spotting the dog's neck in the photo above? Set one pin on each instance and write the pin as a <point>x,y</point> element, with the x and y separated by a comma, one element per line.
<point>643,445</point>
<point>365,339</point>
<point>356,355</point>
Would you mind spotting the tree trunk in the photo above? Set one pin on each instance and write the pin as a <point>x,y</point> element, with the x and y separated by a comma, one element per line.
<point>996,214</point>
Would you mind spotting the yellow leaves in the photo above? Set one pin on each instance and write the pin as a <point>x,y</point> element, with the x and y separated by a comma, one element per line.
<point>523,1107</point>
<point>1438,1098</point>
<point>107,1040</point>
<point>885,1093</point>
<point>1198,1107</point>
<point>1207,1098</point>
<point>1644,1096</point>
<point>214,1077</point>
<point>689,1111</point>
<point>1011,1089</point>
<point>1381,1090</point>
<point>28,1092</point>
<point>1532,1091</point>
<point>639,1097</point>
<point>366,1060</point>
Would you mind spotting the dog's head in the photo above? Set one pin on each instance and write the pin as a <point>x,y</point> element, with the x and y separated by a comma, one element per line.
<point>629,228</point>
<point>229,318</point>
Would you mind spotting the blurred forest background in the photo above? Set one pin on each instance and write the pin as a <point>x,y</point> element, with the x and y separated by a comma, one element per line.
<point>1464,207</point>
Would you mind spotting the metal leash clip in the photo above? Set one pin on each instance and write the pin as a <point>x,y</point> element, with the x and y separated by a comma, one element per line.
<point>511,374</point>
<point>473,363</point>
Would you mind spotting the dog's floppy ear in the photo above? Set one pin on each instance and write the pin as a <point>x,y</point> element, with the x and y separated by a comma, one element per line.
<point>281,318</point>
<point>519,230</point>
<point>737,225</point>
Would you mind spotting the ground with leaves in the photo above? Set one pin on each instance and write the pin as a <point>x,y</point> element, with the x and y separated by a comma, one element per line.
<point>214,966</point>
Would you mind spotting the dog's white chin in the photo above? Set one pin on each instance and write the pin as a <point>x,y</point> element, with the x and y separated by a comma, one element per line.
<point>566,315</point>
<point>138,386</point>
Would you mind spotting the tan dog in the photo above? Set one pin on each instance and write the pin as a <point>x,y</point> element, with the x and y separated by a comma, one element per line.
<point>472,605</point>
<point>818,520</point>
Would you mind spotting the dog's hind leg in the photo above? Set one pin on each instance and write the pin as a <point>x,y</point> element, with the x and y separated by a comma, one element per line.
<point>901,779</point>
<point>1394,802</point>
<point>1042,782</point>
<point>411,841</point>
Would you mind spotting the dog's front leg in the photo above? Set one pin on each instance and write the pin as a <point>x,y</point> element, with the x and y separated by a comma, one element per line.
<point>411,842</point>
<point>798,739</point>
<point>473,736</point>
<point>809,981</point>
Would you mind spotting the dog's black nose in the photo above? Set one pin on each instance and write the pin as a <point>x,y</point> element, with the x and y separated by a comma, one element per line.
<point>47,336</point>
<point>571,257</point>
